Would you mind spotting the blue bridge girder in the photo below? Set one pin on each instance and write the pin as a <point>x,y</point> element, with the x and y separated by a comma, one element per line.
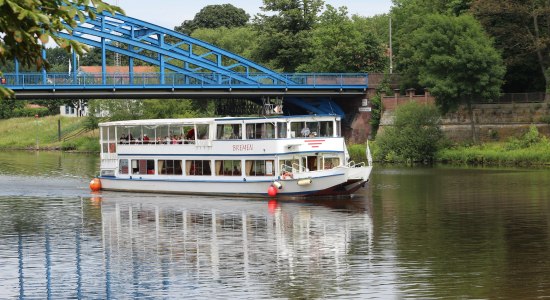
<point>187,68</point>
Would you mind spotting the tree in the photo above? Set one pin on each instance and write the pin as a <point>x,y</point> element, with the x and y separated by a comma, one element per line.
<point>238,40</point>
<point>341,44</point>
<point>522,31</point>
<point>455,59</point>
<point>285,33</point>
<point>414,136</point>
<point>168,108</point>
<point>27,26</point>
<point>215,16</point>
<point>117,110</point>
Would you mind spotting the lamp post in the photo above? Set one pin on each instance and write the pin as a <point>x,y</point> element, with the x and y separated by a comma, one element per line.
<point>36,129</point>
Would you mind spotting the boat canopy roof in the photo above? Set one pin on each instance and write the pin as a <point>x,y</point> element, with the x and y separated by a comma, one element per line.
<point>189,121</point>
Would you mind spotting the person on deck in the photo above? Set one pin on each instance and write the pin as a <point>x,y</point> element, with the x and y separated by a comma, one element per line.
<point>190,134</point>
<point>305,131</point>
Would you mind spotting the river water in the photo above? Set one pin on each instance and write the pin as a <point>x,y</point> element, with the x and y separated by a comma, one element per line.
<point>426,232</point>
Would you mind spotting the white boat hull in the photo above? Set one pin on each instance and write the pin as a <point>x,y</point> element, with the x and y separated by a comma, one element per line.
<point>337,182</point>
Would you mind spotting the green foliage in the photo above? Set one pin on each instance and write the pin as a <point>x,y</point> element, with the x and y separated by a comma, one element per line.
<point>117,110</point>
<point>7,107</point>
<point>26,26</point>
<point>285,32</point>
<point>82,144</point>
<point>376,104</point>
<point>239,40</point>
<point>161,109</point>
<point>376,113</point>
<point>215,16</point>
<point>91,122</point>
<point>530,138</point>
<point>30,112</point>
<point>413,137</point>
<point>454,58</point>
<point>545,119</point>
<point>498,154</point>
<point>358,152</point>
<point>340,44</point>
<point>21,133</point>
<point>521,33</point>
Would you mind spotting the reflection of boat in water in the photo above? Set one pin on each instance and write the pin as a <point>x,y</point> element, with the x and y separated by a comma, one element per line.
<point>286,156</point>
<point>215,239</point>
<point>122,245</point>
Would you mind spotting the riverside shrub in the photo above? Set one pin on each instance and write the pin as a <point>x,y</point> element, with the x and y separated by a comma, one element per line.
<point>414,135</point>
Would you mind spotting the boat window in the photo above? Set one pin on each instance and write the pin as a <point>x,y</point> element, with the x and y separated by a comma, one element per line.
<point>331,162</point>
<point>259,167</point>
<point>112,135</point>
<point>123,166</point>
<point>281,130</point>
<point>176,132</point>
<point>135,135</point>
<point>163,133</point>
<point>313,129</point>
<point>149,134</point>
<point>260,131</point>
<point>289,165</point>
<point>228,167</point>
<point>170,167</point>
<point>143,166</point>
<point>228,131</point>
<point>304,129</point>
<point>122,134</point>
<point>202,131</point>
<point>189,135</point>
<point>198,167</point>
<point>310,163</point>
<point>326,129</point>
<point>103,137</point>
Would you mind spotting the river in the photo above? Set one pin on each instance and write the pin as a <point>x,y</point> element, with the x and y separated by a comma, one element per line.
<point>425,232</point>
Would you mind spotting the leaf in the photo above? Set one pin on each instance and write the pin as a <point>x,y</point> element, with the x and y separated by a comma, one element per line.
<point>18,36</point>
<point>44,38</point>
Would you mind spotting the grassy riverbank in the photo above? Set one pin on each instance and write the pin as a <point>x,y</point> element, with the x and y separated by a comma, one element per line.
<point>497,154</point>
<point>28,133</point>
<point>532,149</point>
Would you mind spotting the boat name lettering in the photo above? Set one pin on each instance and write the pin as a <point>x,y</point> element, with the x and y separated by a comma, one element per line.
<point>247,147</point>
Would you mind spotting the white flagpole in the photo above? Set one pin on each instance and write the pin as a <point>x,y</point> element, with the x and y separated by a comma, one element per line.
<point>369,156</point>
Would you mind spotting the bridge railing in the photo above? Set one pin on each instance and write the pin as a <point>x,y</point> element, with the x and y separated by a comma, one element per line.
<point>260,80</point>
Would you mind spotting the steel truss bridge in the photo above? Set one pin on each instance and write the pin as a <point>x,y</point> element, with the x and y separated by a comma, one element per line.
<point>188,68</point>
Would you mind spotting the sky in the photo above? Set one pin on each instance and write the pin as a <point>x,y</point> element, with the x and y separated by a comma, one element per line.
<point>170,13</point>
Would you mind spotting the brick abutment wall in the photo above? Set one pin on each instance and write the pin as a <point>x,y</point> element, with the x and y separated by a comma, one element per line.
<point>494,121</point>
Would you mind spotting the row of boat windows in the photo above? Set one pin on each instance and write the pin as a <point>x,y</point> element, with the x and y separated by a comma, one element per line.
<point>182,134</point>
<point>221,167</point>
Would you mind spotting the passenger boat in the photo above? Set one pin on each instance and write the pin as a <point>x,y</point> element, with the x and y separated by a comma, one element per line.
<point>283,156</point>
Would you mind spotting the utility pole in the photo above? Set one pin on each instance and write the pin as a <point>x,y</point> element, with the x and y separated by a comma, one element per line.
<point>391,50</point>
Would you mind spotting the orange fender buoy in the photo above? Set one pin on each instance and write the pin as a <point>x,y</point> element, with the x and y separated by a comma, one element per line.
<point>272,191</point>
<point>95,184</point>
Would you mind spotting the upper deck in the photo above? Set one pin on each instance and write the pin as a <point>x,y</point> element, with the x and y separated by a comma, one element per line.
<point>225,136</point>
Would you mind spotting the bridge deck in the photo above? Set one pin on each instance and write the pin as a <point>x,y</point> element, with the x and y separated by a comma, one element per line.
<point>150,85</point>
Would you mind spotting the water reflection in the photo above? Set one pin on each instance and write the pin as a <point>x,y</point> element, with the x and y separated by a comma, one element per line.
<point>125,245</point>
